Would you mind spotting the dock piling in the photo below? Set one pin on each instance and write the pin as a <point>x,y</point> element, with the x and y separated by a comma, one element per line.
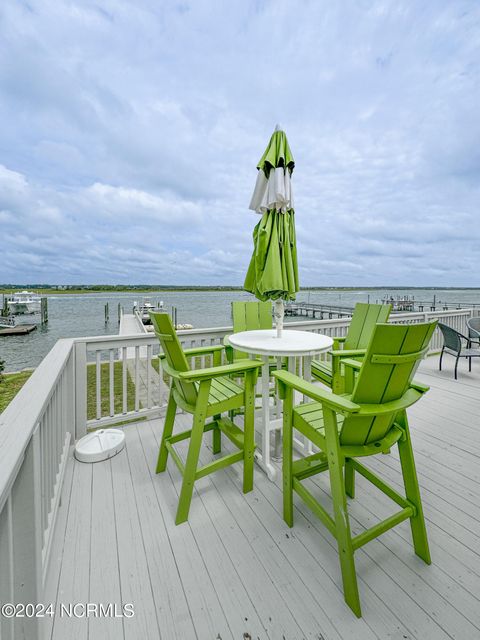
<point>43,311</point>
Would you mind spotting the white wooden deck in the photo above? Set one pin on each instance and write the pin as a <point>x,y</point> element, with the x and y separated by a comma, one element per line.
<point>235,570</point>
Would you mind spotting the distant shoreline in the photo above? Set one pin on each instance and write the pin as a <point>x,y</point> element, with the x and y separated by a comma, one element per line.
<point>8,289</point>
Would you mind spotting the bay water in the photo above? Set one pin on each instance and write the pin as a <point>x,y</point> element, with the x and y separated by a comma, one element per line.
<point>78,315</point>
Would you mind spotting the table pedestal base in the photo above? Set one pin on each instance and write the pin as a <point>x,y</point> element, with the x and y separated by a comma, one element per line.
<point>265,458</point>
<point>296,346</point>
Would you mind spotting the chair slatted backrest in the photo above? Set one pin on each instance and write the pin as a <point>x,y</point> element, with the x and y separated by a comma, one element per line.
<point>451,338</point>
<point>174,355</point>
<point>392,358</point>
<point>249,316</point>
<point>365,317</point>
<point>473,325</point>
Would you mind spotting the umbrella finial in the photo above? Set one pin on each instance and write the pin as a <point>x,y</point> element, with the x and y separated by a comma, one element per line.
<point>278,127</point>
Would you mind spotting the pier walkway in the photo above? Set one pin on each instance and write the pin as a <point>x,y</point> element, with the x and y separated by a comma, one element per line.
<point>320,311</point>
<point>131,325</point>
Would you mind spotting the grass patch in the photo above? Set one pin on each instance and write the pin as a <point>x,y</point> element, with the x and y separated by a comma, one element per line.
<point>13,382</point>
<point>105,390</point>
<point>10,385</point>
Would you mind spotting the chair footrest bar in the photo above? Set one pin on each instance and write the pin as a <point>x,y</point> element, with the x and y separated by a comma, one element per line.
<point>382,527</point>
<point>380,484</point>
<point>309,466</point>
<point>219,464</point>
<point>233,433</point>
<point>178,461</point>
<point>178,437</point>
<point>317,509</point>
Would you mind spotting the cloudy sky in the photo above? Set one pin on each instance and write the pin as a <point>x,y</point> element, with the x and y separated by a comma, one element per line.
<point>130,132</point>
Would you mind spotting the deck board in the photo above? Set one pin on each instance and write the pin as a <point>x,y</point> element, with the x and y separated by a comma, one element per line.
<point>235,570</point>
<point>104,574</point>
<point>169,596</point>
<point>74,579</point>
<point>135,578</point>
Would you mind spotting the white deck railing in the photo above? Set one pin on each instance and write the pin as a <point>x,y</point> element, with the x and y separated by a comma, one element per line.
<point>66,396</point>
<point>35,433</point>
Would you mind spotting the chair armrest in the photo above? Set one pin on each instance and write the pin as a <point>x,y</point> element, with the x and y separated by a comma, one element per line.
<point>338,340</point>
<point>201,351</point>
<point>462,336</point>
<point>241,366</point>
<point>353,364</point>
<point>409,397</point>
<point>418,386</point>
<point>348,353</point>
<point>339,403</point>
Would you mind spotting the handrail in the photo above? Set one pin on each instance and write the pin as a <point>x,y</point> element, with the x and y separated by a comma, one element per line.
<point>35,433</point>
<point>19,419</point>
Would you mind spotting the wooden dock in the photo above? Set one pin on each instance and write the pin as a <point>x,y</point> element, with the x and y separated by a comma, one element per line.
<point>146,376</point>
<point>328,311</point>
<point>19,330</point>
<point>320,311</point>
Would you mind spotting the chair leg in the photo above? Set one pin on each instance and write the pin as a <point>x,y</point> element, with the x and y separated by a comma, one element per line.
<point>344,539</point>
<point>440,363</point>
<point>287,458</point>
<point>469,364</point>
<point>349,478</point>
<point>190,469</point>
<point>456,365</point>
<point>342,523</point>
<point>216,437</point>
<point>167,432</point>
<point>248,434</point>
<point>412,492</point>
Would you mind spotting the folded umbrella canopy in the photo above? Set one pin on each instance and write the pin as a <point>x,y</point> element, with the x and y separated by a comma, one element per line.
<point>273,270</point>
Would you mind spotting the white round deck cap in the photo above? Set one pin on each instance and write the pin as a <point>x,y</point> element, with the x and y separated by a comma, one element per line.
<point>100,445</point>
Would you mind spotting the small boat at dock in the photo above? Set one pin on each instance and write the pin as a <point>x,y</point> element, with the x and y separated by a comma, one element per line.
<point>143,309</point>
<point>23,303</point>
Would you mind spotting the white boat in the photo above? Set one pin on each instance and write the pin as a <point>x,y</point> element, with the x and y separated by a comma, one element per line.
<point>23,302</point>
<point>145,307</point>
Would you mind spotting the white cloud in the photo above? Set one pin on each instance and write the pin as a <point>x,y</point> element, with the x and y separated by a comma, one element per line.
<point>135,128</point>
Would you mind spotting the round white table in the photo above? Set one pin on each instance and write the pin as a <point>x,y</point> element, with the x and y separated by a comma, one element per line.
<point>292,344</point>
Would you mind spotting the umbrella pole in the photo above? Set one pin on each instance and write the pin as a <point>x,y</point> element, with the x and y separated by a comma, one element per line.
<point>279,313</point>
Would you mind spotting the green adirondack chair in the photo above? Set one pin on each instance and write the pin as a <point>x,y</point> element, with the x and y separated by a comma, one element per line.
<point>249,316</point>
<point>364,318</point>
<point>367,421</point>
<point>205,393</point>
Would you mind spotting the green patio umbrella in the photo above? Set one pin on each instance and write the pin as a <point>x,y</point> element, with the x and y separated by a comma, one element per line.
<point>273,270</point>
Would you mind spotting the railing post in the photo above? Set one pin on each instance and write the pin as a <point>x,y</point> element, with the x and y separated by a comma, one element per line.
<point>80,389</point>
<point>27,538</point>
<point>68,392</point>
<point>6,563</point>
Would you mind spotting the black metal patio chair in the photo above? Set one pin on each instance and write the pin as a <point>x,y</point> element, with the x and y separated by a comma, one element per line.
<point>473,326</point>
<point>452,344</point>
